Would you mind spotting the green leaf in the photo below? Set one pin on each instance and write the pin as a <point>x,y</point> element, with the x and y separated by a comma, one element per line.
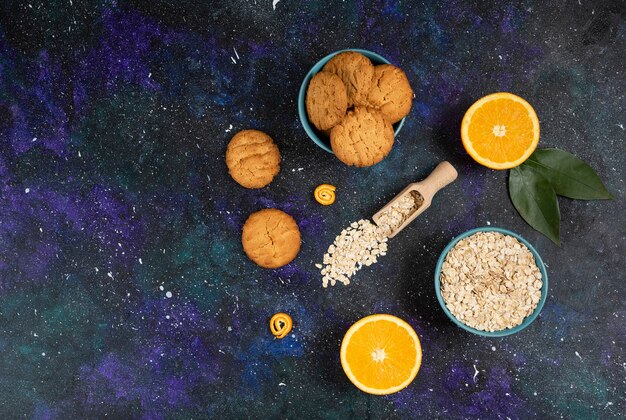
<point>535,200</point>
<point>569,176</point>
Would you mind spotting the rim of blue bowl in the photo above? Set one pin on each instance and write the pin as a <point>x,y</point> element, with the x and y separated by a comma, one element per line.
<point>304,119</point>
<point>529,319</point>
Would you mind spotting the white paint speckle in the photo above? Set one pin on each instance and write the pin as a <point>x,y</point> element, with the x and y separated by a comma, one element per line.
<point>167,317</point>
<point>488,223</point>
<point>578,355</point>
<point>27,190</point>
<point>140,261</point>
<point>161,288</point>
<point>109,274</point>
<point>282,384</point>
<point>43,353</point>
<point>230,127</point>
<point>493,348</point>
<point>475,373</point>
<point>274,3</point>
<point>168,294</point>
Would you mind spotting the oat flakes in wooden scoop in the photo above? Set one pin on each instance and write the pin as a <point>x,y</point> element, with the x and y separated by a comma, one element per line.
<point>413,200</point>
<point>362,243</point>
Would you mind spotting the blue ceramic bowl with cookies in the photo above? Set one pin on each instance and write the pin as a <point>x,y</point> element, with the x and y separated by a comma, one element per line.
<point>502,332</point>
<point>318,137</point>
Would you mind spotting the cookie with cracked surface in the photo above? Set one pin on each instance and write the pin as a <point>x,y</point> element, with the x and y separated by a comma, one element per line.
<point>356,72</point>
<point>271,238</point>
<point>252,158</point>
<point>363,138</point>
<point>391,92</point>
<point>326,100</point>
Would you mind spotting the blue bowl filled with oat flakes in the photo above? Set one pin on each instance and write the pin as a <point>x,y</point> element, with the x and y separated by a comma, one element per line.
<point>491,282</point>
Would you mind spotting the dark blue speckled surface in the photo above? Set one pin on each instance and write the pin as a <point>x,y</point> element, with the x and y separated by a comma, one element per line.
<point>114,118</point>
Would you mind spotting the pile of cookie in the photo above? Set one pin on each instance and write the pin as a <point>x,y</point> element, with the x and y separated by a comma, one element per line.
<point>356,103</point>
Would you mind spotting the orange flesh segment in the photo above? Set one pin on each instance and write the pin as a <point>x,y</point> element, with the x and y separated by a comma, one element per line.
<point>519,130</point>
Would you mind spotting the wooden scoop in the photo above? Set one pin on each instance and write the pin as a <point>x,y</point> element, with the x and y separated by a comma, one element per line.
<point>443,174</point>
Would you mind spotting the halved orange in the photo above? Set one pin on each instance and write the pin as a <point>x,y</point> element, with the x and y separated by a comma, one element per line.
<point>500,131</point>
<point>381,354</point>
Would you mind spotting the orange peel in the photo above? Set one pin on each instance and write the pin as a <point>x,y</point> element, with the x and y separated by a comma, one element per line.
<point>280,325</point>
<point>325,194</point>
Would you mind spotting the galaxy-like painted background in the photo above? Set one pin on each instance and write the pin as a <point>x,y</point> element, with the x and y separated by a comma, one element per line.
<point>124,290</point>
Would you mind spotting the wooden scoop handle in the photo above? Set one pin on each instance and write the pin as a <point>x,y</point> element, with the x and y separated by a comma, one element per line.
<point>441,176</point>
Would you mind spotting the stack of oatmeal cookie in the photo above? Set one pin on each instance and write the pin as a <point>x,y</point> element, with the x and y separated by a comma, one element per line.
<point>356,104</point>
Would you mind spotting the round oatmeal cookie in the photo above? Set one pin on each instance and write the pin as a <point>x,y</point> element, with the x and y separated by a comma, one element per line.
<point>326,100</point>
<point>271,238</point>
<point>252,158</point>
<point>363,138</point>
<point>356,72</point>
<point>390,93</point>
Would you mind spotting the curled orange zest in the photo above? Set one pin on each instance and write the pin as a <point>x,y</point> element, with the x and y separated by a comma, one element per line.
<point>280,325</point>
<point>325,194</point>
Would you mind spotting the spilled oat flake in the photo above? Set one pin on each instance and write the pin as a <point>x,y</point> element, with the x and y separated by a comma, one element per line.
<point>363,242</point>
